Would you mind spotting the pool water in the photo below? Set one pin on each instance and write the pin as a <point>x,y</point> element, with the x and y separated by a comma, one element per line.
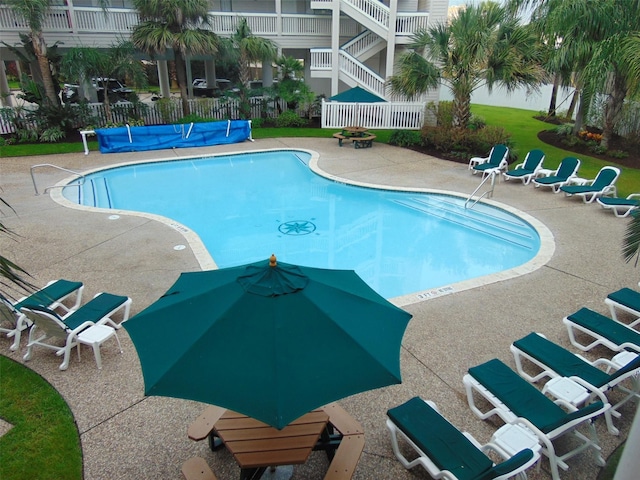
<point>244,207</point>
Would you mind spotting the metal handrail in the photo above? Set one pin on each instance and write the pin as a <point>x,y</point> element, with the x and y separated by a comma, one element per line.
<point>33,178</point>
<point>492,176</point>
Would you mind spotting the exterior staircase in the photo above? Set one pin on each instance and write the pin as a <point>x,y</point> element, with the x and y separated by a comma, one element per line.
<point>375,18</point>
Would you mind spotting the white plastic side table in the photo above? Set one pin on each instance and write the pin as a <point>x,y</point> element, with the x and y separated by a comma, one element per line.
<point>95,336</point>
<point>514,437</point>
<point>566,389</point>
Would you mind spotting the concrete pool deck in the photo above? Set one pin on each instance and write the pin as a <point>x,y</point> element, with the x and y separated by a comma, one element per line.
<point>126,435</point>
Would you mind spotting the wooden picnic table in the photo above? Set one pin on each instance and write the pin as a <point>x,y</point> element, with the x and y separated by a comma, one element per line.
<point>256,446</point>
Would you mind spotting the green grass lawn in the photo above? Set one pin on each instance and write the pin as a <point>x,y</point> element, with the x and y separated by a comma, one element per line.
<point>44,442</point>
<point>524,130</point>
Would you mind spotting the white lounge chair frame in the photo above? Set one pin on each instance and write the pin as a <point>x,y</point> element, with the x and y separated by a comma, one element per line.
<point>53,327</point>
<point>614,305</point>
<point>607,190</point>
<point>546,439</point>
<point>621,211</point>
<point>548,372</point>
<point>475,161</point>
<point>22,322</point>
<point>526,179</point>
<point>555,187</point>
<point>431,468</point>
<point>572,327</point>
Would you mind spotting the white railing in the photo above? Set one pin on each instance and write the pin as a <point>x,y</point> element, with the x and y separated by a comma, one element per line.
<point>373,9</point>
<point>362,74</point>
<point>119,20</point>
<point>361,43</point>
<point>321,59</point>
<point>409,23</point>
<point>409,116</point>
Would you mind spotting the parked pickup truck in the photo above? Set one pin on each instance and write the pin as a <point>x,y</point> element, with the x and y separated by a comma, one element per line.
<point>117,91</point>
<point>201,89</point>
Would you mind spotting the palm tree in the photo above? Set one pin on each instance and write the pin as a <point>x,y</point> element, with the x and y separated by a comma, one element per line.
<point>175,25</point>
<point>244,48</point>
<point>35,13</point>
<point>118,61</point>
<point>482,45</point>
<point>595,31</point>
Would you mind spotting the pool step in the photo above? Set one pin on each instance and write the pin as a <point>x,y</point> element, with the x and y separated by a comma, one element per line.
<point>99,189</point>
<point>490,222</point>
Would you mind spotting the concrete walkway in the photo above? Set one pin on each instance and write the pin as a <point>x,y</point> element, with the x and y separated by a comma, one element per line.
<point>126,435</point>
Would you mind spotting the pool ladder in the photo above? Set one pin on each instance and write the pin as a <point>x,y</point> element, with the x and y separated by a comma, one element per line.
<point>81,177</point>
<point>488,193</point>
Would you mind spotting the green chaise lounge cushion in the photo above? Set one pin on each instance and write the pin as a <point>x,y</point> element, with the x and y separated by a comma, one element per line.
<point>446,446</point>
<point>49,294</point>
<point>605,327</point>
<point>523,399</point>
<point>626,296</point>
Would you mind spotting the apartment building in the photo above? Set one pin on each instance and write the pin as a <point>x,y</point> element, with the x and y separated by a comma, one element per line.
<point>343,43</point>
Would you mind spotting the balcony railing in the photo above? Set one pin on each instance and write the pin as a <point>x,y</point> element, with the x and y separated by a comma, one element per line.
<point>91,20</point>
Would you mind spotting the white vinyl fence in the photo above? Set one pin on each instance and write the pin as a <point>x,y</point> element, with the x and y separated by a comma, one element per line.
<point>387,115</point>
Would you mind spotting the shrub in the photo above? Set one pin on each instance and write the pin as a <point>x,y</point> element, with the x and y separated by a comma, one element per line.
<point>565,130</point>
<point>193,118</point>
<point>405,138</point>
<point>617,154</point>
<point>290,119</point>
<point>257,123</point>
<point>52,135</point>
<point>476,122</point>
<point>451,140</point>
<point>443,113</point>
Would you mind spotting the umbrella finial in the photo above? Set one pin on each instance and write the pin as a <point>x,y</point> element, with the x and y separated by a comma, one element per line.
<point>272,260</point>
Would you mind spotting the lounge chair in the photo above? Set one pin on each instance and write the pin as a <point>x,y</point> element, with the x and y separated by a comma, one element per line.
<point>614,335</point>
<point>48,325</point>
<point>497,160</point>
<point>627,300</point>
<point>567,169</point>
<point>528,169</point>
<point>516,400</point>
<point>52,296</point>
<point>443,450</point>
<point>602,185</point>
<point>621,207</point>
<point>555,361</point>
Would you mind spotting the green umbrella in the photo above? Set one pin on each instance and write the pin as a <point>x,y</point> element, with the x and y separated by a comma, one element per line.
<point>270,340</point>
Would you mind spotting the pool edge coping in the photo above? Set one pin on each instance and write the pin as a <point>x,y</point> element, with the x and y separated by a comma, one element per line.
<point>206,261</point>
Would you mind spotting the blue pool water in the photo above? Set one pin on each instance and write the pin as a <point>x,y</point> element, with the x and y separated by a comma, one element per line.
<point>247,206</point>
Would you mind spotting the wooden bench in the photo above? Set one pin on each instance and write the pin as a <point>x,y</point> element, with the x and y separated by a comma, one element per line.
<point>340,138</point>
<point>196,468</point>
<point>202,426</point>
<point>347,455</point>
<point>363,142</point>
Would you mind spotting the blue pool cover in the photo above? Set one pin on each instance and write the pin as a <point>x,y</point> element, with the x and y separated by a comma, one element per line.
<point>157,137</point>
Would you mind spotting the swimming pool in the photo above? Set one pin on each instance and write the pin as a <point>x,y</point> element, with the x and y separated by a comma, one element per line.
<point>246,206</point>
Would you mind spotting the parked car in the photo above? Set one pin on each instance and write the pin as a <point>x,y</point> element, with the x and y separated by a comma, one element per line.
<point>117,91</point>
<point>201,89</point>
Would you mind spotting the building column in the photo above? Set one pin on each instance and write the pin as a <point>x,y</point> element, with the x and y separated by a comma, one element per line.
<point>391,38</point>
<point>163,78</point>
<point>6,99</point>
<point>335,47</point>
<point>210,72</point>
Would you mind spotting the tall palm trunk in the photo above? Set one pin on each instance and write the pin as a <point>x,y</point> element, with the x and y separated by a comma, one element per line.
<point>461,103</point>
<point>613,106</point>
<point>40,50</point>
<point>554,96</point>
<point>181,75</point>
<point>572,105</point>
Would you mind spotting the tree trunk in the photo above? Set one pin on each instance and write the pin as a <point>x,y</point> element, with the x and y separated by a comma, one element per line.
<point>181,75</point>
<point>577,126</point>
<point>554,96</point>
<point>613,107</point>
<point>40,50</point>
<point>572,105</point>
